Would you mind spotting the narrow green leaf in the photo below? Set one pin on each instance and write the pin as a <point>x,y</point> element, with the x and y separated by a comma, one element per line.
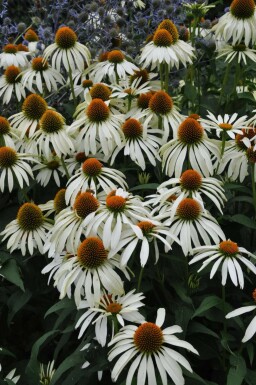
<point>32,370</point>
<point>196,327</point>
<point>244,220</point>
<point>16,302</point>
<point>71,361</point>
<point>64,303</point>
<point>10,271</point>
<point>206,304</point>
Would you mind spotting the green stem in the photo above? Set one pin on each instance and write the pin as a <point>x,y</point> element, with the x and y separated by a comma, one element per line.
<point>224,323</point>
<point>71,83</point>
<point>162,75</point>
<point>23,33</point>
<point>140,278</point>
<point>223,143</point>
<point>129,103</point>
<point>117,77</point>
<point>51,221</point>
<point>225,79</point>
<point>253,185</point>
<point>115,322</point>
<point>166,84</point>
<point>65,167</point>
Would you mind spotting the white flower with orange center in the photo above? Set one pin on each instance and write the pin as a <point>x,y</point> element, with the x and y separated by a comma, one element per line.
<point>49,169</point>
<point>251,328</point>
<point>88,272</point>
<point>238,155</point>
<point>97,123</point>
<point>239,24</point>
<point>148,347</point>
<point>161,107</point>
<point>82,86</point>
<point>26,121</point>
<point>238,52</point>
<point>140,143</point>
<point>92,176</point>
<point>70,224</point>
<point>74,161</point>
<point>51,136</point>
<point>14,168</point>
<point>160,206</point>
<point>41,75</point>
<point>32,40</point>
<point>111,219</point>
<point>229,256</point>
<point>192,144</point>
<point>111,308</point>
<point>10,83</point>
<point>115,67</point>
<point>192,224</point>
<point>8,137</point>
<point>55,205</point>
<point>130,89</point>
<point>12,56</point>
<point>143,234</point>
<point>67,51</point>
<point>166,47</point>
<point>191,184</point>
<point>28,231</point>
<point>227,124</point>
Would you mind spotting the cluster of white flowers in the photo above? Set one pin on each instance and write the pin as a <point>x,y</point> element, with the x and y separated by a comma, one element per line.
<point>94,227</point>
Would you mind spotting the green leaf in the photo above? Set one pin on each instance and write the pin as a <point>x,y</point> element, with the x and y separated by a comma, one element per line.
<point>11,272</point>
<point>71,361</point>
<point>246,95</point>
<point>250,351</point>
<point>63,304</point>
<point>32,370</point>
<point>206,304</point>
<point>244,220</point>
<point>237,371</point>
<point>16,302</point>
<point>236,186</point>
<point>196,327</point>
<point>242,198</point>
<point>147,186</point>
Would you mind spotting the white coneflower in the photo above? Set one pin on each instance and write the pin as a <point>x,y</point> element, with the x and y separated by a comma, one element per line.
<point>190,185</point>
<point>10,83</point>
<point>238,52</point>
<point>67,51</point>
<point>88,271</point>
<point>192,224</point>
<point>26,121</point>
<point>192,143</point>
<point>51,136</point>
<point>32,41</point>
<point>166,47</point>
<point>12,56</point>
<point>14,166</point>
<point>237,156</point>
<point>70,224</point>
<point>144,233</point>
<point>41,74</point>
<point>91,176</point>
<point>96,123</point>
<point>162,108</point>
<point>109,307</point>
<point>119,208</point>
<point>7,135</point>
<point>28,231</point>
<point>147,346</point>
<point>140,142</point>
<point>239,24</point>
<point>227,123</point>
<point>49,169</point>
<point>115,67</point>
<point>229,255</point>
